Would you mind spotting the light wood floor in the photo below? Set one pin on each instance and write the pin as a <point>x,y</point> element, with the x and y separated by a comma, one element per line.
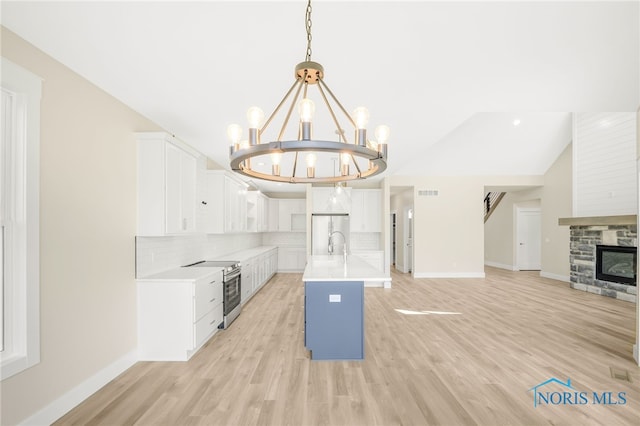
<point>514,330</point>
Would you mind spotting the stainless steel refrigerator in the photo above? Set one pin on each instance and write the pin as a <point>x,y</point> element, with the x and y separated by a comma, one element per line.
<point>329,233</point>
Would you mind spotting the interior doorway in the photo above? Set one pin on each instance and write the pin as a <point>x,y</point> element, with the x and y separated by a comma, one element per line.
<point>400,228</point>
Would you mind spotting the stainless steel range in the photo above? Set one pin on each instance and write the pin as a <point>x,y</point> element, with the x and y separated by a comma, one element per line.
<point>231,282</point>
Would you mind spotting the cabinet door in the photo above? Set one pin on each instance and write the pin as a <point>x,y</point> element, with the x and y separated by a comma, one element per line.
<point>252,212</point>
<point>372,201</point>
<point>173,198</point>
<point>216,204</point>
<point>285,208</point>
<point>180,184</point>
<point>366,205</point>
<point>274,215</point>
<point>263,213</point>
<point>202,205</point>
<point>188,182</point>
<point>334,325</point>
<point>295,217</point>
<point>358,212</point>
<point>231,205</point>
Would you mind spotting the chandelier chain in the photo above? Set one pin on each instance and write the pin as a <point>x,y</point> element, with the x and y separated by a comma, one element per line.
<point>308,28</point>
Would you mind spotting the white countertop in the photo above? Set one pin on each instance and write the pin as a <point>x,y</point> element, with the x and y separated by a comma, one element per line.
<point>181,274</point>
<point>333,268</point>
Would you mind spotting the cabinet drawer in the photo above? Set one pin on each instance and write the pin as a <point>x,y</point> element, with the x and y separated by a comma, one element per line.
<point>208,294</point>
<point>207,325</point>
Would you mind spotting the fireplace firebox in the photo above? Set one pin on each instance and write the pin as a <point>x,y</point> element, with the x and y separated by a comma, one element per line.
<point>616,264</point>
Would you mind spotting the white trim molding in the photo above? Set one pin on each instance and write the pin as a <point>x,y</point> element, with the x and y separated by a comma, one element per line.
<point>20,220</point>
<point>75,396</point>
<point>449,275</point>
<point>552,276</point>
<point>500,265</point>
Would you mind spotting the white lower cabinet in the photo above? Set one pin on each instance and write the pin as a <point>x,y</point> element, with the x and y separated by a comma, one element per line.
<point>292,259</point>
<point>257,270</point>
<point>247,280</point>
<point>176,317</point>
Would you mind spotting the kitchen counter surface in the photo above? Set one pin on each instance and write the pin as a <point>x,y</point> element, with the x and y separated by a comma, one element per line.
<point>333,268</point>
<point>181,274</point>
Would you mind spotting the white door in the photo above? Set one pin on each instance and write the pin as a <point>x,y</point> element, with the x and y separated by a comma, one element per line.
<point>528,239</point>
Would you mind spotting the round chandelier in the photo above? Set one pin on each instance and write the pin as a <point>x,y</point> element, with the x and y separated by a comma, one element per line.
<point>280,159</point>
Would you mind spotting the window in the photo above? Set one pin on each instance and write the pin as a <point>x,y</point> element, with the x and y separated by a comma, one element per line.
<point>19,220</point>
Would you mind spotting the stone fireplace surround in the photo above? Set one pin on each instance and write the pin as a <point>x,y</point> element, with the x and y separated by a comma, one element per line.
<point>586,233</point>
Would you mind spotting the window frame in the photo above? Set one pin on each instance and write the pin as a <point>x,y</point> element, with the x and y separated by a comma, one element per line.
<point>21,222</point>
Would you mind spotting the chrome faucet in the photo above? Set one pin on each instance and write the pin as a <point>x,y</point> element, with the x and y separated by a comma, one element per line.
<point>344,239</point>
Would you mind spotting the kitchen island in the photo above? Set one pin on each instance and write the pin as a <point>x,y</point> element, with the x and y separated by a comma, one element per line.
<point>334,306</point>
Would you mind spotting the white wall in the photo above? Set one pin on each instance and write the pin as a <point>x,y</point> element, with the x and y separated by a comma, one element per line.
<point>87,228</point>
<point>557,203</point>
<point>604,152</point>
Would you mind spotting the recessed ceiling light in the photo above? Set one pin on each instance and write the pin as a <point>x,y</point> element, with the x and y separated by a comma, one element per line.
<point>516,122</point>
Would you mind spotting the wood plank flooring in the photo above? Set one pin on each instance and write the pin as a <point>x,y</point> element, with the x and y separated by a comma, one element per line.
<point>503,335</point>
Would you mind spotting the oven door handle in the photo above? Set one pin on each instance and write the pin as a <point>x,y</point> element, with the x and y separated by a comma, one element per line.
<point>232,276</point>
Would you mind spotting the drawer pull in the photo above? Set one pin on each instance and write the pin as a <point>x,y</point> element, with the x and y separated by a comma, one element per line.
<point>212,300</point>
<point>212,282</point>
<point>211,323</point>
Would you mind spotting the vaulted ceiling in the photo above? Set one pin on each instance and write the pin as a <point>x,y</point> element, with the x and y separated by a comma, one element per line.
<point>449,77</point>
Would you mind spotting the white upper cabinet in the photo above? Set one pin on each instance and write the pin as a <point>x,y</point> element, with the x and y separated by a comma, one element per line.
<point>166,185</point>
<point>292,215</point>
<point>273,218</point>
<point>257,212</point>
<point>329,200</point>
<point>366,210</point>
<point>226,199</point>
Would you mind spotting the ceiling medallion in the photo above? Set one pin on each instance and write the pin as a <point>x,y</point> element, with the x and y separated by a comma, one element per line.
<point>359,159</point>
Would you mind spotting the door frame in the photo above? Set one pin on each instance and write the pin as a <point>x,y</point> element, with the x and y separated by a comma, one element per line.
<point>393,237</point>
<point>408,231</point>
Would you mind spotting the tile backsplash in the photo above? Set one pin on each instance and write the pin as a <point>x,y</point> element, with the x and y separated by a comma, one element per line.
<point>365,240</point>
<point>289,239</point>
<point>157,254</point>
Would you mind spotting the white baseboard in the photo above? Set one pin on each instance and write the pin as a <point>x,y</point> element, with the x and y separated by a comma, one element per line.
<point>500,265</point>
<point>449,275</point>
<point>552,276</point>
<point>75,396</point>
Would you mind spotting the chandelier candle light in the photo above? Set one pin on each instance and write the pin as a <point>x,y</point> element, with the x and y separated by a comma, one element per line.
<point>368,158</point>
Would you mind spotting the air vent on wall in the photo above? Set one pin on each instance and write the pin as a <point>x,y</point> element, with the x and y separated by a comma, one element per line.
<point>428,193</point>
